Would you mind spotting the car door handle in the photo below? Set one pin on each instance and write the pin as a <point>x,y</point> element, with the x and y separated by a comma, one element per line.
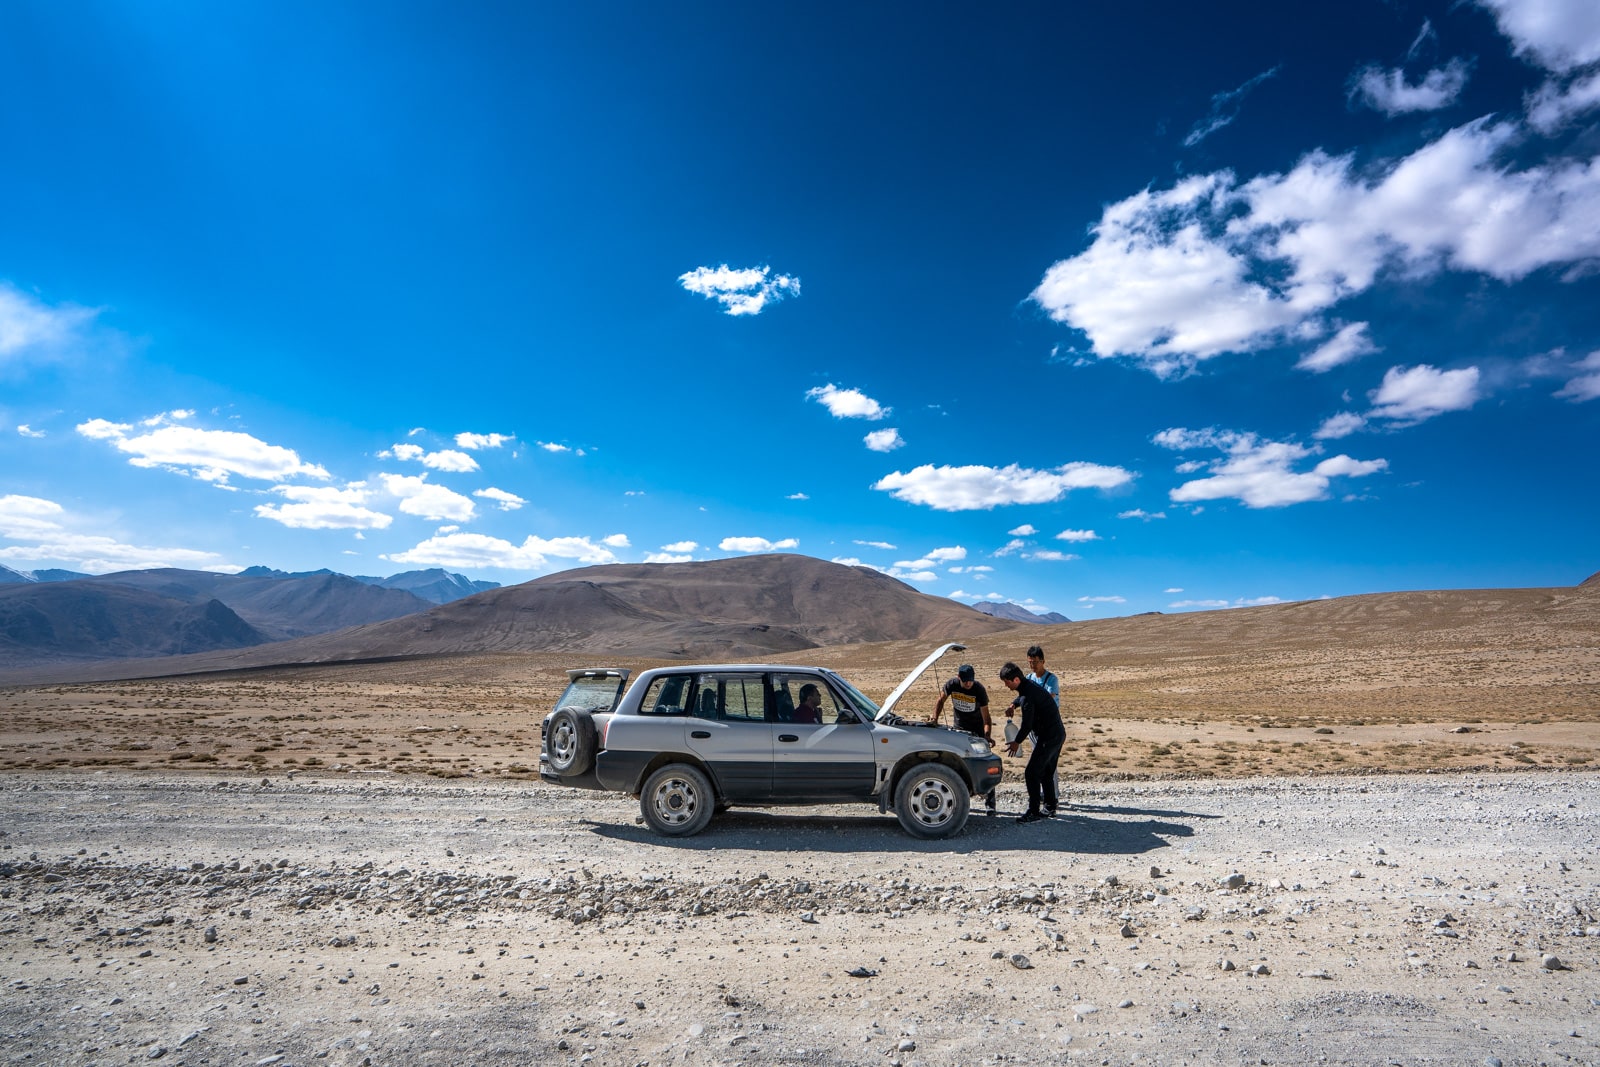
<point>788,737</point>
<point>699,733</point>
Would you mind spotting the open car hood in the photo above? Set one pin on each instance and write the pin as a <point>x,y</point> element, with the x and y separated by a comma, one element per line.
<point>885,710</point>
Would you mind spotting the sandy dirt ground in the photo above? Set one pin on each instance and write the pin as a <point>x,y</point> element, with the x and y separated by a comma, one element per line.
<point>208,918</point>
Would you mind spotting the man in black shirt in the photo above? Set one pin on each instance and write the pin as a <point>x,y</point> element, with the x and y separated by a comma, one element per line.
<point>969,710</point>
<point>1041,716</point>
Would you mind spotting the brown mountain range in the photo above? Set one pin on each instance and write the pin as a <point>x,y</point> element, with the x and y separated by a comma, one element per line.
<point>742,608</point>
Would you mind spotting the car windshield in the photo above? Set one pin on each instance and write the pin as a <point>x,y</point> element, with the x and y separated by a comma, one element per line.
<point>592,693</point>
<point>862,702</point>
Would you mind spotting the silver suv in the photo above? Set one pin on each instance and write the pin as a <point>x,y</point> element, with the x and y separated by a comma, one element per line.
<point>694,740</point>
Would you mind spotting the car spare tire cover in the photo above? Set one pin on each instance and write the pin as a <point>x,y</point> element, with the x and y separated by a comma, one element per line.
<point>572,741</point>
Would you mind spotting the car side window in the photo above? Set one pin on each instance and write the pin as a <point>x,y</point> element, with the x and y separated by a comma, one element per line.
<point>805,698</point>
<point>667,695</point>
<point>733,697</point>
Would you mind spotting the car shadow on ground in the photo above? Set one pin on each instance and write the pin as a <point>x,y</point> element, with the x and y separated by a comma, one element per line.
<point>1073,831</point>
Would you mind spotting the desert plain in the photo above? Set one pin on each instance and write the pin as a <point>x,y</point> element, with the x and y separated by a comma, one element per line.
<point>1356,832</point>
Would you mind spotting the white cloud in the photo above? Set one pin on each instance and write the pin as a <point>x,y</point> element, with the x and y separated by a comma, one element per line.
<point>450,460</point>
<point>667,557</point>
<point>579,548</point>
<point>418,497</point>
<point>1102,600</point>
<point>797,496</point>
<point>477,441</point>
<point>102,430</point>
<point>884,440</point>
<point>680,546</point>
<point>948,555</point>
<point>29,516</point>
<point>1211,266</point>
<point>469,550</point>
<point>1558,35</point>
<point>506,501</point>
<point>961,594</point>
<point>974,488</point>
<point>851,561</point>
<point>1411,394</point>
<point>47,531</point>
<point>979,570</point>
<point>1198,604</point>
<point>1389,92</point>
<point>1077,535</point>
<point>1010,547</point>
<point>28,431</point>
<point>1343,424</point>
<point>886,546</point>
<point>915,571</point>
<point>1555,104</point>
<point>1141,513</point>
<point>1585,386</point>
<point>1051,555</point>
<point>616,540</point>
<point>1259,473</point>
<point>1346,346</point>
<point>31,329</point>
<point>742,291</point>
<point>1224,109</point>
<point>324,508</point>
<point>1174,589</point>
<point>1344,466</point>
<point>1025,530</point>
<point>447,460</point>
<point>847,403</point>
<point>209,455</point>
<point>755,544</point>
<point>552,446</point>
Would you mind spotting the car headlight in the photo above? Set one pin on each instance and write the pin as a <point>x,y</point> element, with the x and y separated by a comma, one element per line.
<point>979,746</point>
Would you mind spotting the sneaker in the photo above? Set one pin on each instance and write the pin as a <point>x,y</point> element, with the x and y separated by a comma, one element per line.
<point>1030,816</point>
<point>1048,812</point>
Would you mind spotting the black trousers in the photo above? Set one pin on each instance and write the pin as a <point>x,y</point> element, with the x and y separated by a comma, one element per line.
<point>1040,773</point>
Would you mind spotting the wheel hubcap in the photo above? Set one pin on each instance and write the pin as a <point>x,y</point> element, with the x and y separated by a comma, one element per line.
<point>562,743</point>
<point>932,802</point>
<point>675,801</point>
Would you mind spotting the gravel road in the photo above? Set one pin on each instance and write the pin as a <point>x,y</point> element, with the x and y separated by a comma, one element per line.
<point>1428,919</point>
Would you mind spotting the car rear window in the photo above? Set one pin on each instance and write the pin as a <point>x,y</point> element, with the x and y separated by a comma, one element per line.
<point>592,693</point>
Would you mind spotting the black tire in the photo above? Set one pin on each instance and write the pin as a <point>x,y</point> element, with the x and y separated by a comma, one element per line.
<point>677,800</point>
<point>571,742</point>
<point>932,801</point>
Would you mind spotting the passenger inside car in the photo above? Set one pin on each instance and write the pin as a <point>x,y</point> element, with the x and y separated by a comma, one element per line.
<point>810,709</point>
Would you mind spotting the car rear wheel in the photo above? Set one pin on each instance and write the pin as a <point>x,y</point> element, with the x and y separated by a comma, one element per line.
<point>932,801</point>
<point>571,744</point>
<point>677,800</point>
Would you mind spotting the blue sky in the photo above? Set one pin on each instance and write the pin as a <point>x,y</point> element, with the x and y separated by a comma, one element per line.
<point>1152,308</point>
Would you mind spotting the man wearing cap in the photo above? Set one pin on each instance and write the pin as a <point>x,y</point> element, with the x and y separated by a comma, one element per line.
<point>969,709</point>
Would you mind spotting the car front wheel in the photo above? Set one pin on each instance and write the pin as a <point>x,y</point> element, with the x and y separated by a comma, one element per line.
<point>677,800</point>
<point>932,801</point>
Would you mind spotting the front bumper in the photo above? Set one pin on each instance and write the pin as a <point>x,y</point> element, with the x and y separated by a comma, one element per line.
<point>985,772</point>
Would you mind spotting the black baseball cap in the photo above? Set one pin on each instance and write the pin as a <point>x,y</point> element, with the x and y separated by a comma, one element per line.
<point>966,673</point>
